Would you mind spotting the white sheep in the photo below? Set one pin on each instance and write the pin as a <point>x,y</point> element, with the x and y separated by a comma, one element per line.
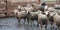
<point>33,16</point>
<point>21,15</point>
<point>42,19</point>
<point>57,19</point>
<point>29,7</point>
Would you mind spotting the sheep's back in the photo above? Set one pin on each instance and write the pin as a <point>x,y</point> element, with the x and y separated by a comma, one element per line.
<point>21,14</point>
<point>57,19</point>
<point>41,17</point>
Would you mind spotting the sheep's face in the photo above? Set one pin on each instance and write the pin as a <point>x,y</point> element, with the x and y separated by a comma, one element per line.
<point>19,7</point>
<point>28,12</point>
<point>28,5</point>
<point>15,11</point>
<point>46,7</point>
<point>46,12</point>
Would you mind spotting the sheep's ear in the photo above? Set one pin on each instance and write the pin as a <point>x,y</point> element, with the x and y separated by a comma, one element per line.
<point>46,7</point>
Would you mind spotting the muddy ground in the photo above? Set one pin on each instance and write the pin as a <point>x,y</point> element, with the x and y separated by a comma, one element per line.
<point>11,23</point>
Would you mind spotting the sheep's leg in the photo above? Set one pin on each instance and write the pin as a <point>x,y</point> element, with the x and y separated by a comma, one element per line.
<point>31,23</point>
<point>51,25</point>
<point>57,26</point>
<point>46,27</point>
<point>24,20</point>
<point>18,20</point>
<point>37,24</point>
<point>41,26</point>
<point>28,20</point>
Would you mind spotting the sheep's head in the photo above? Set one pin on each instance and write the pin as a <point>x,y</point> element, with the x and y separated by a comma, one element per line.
<point>19,7</point>
<point>28,5</point>
<point>28,12</point>
<point>46,8</point>
<point>46,12</point>
<point>15,11</point>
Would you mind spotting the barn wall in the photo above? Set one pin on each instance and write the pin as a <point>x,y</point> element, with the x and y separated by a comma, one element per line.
<point>13,4</point>
<point>2,8</point>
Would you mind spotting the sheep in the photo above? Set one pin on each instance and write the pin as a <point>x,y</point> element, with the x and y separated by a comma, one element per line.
<point>19,7</point>
<point>23,9</point>
<point>42,19</point>
<point>21,15</point>
<point>50,17</point>
<point>33,16</point>
<point>46,8</point>
<point>15,11</point>
<point>29,7</point>
<point>46,12</point>
<point>36,6</point>
<point>51,14</point>
<point>57,19</point>
<point>43,7</point>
